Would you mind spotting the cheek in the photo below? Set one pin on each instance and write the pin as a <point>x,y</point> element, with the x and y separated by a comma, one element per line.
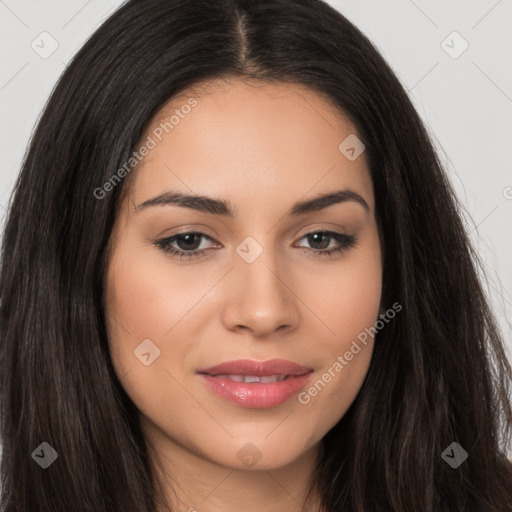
<point>147,297</point>
<point>345,356</point>
<point>346,296</point>
<point>138,308</point>
<point>144,300</point>
<point>357,303</point>
<point>349,306</point>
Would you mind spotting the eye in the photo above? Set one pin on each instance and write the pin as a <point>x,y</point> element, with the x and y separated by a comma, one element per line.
<point>324,239</point>
<point>188,244</point>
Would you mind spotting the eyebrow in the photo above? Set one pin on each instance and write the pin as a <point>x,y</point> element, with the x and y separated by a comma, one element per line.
<point>221,207</point>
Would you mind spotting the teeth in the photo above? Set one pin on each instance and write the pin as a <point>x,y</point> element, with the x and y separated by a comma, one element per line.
<point>252,378</point>
<point>272,378</point>
<point>236,378</point>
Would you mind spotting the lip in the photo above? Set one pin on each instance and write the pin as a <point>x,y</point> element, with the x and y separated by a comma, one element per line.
<point>256,395</point>
<point>257,368</point>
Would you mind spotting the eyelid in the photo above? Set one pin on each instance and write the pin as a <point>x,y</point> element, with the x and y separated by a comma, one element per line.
<point>194,228</point>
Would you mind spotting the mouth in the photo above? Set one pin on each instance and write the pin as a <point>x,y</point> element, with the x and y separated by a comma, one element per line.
<point>252,378</point>
<point>256,384</point>
<point>280,368</point>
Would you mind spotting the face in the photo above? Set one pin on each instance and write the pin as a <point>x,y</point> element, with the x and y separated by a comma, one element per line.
<point>190,287</point>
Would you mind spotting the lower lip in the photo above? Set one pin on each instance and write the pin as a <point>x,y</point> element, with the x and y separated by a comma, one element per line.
<point>256,395</point>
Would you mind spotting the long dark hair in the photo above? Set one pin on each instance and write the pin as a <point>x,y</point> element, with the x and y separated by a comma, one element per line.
<point>439,372</point>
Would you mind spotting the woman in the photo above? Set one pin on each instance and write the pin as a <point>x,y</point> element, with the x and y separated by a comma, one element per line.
<point>324,344</point>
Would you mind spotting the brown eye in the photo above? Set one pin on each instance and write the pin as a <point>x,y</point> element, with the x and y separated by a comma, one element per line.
<point>184,245</point>
<point>321,240</point>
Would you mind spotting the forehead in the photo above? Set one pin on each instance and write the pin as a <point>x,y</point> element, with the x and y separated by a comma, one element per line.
<point>235,138</point>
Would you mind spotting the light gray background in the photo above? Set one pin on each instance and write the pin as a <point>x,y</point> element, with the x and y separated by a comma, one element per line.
<point>466,101</point>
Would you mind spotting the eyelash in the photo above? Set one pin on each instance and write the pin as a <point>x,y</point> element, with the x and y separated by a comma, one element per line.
<point>346,242</point>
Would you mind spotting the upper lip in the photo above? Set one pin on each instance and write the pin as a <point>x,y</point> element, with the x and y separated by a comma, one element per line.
<point>257,368</point>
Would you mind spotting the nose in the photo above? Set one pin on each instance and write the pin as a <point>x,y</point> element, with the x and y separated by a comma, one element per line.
<point>260,297</point>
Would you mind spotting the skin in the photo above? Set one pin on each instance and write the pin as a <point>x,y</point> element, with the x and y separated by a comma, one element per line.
<point>262,147</point>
